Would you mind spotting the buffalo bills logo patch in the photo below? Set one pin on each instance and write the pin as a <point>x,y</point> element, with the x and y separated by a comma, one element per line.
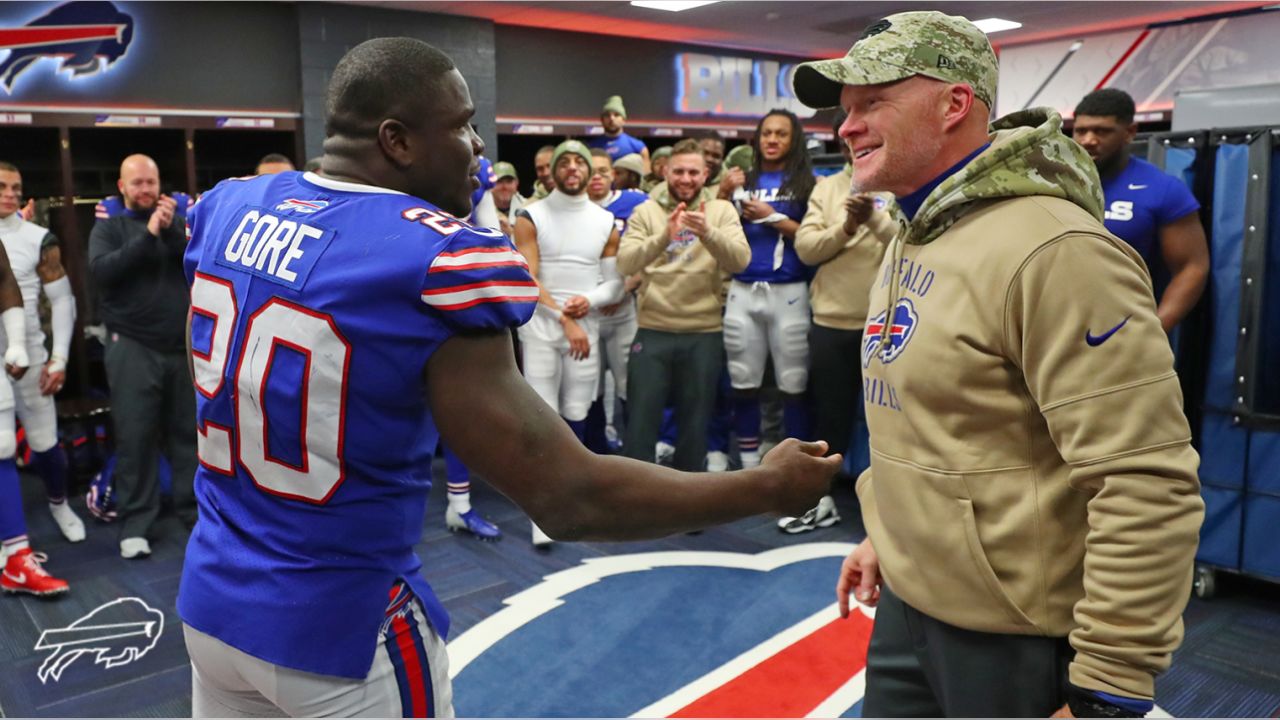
<point>306,207</point>
<point>901,330</point>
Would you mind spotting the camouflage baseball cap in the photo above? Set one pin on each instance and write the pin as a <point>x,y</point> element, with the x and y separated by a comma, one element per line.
<point>944,47</point>
<point>571,146</point>
<point>504,170</point>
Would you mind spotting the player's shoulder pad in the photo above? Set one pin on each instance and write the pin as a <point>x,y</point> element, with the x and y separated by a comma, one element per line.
<point>478,280</point>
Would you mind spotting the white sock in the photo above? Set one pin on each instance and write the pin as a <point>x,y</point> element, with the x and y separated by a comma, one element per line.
<point>13,545</point>
<point>460,502</point>
<point>750,459</point>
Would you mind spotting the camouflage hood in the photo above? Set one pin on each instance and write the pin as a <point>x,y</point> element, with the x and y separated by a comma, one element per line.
<point>662,194</point>
<point>1028,155</point>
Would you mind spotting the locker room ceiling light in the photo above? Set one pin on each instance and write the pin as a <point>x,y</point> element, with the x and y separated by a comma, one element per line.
<point>995,25</point>
<point>672,5</point>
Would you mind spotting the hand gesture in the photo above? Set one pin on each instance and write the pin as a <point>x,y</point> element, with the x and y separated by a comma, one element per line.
<point>16,361</point>
<point>576,307</point>
<point>162,216</point>
<point>756,209</point>
<point>857,210</point>
<point>696,222</point>
<point>803,475</point>
<point>860,573</point>
<point>28,211</point>
<point>579,344</point>
<point>731,180</point>
<point>52,378</point>
<point>674,222</point>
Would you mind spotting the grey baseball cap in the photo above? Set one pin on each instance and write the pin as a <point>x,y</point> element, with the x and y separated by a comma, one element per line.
<point>943,47</point>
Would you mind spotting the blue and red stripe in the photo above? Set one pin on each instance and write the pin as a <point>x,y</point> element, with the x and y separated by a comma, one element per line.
<point>409,659</point>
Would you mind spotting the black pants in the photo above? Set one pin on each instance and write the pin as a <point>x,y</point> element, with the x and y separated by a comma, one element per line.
<point>153,406</point>
<point>920,667</point>
<point>686,367</point>
<point>835,383</point>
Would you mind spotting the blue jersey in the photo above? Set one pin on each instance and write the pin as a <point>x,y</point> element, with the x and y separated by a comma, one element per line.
<point>114,207</point>
<point>622,144</point>
<point>1140,199</point>
<point>773,256</point>
<point>622,203</point>
<point>316,305</point>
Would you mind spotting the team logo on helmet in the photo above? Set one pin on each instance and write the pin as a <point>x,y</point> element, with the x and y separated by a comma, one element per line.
<point>901,330</point>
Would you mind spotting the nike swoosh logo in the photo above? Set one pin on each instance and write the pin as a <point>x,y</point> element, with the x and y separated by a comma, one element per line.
<point>20,578</point>
<point>792,301</point>
<point>1096,340</point>
<point>1137,187</point>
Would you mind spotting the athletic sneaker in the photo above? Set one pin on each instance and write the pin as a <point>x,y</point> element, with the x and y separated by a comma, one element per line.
<point>612,440</point>
<point>471,522</point>
<point>824,515</point>
<point>541,540</point>
<point>717,461</point>
<point>69,523</point>
<point>134,547</point>
<point>664,453</point>
<point>24,573</point>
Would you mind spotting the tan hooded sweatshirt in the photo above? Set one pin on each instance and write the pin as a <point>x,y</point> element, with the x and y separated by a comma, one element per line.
<point>1032,470</point>
<point>683,285</point>
<point>847,264</point>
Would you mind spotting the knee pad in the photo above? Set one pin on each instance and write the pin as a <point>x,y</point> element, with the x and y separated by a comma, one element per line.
<point>41,439</point>
<point>8,444</point>
<point>793,380</point>
<point>735,335</point>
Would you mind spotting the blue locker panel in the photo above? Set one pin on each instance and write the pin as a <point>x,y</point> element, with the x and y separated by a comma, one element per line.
<point>1264,466</point>
<point>1181,163</point>
<point>1261,554</point>
<point>1225,242</point>
<point>1220,534</point>
<point>1222,452</point>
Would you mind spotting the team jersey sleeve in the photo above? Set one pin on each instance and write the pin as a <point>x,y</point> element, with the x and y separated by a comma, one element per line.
<point>1177,203</point>
<point>479,281</point>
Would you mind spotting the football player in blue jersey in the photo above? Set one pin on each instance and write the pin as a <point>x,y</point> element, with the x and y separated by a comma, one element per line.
<point>615,141</point>
<point>340,325</point>
<point>1146,207</point>
<point>767,313</point>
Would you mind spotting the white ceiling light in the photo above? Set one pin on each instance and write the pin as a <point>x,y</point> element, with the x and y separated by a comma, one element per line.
<point>672,5</point>
<point>995,25</point>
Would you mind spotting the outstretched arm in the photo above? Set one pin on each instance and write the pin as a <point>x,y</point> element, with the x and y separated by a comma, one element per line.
<point>476,395</point>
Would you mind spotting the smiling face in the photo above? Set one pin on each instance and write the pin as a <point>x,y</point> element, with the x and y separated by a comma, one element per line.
<point>895,132</point>
<point>686,174</point>
<point>139,183</point>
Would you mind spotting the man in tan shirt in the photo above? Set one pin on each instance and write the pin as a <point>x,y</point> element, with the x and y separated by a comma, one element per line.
<point>844,234</point>
<point>684,242</point>
<point>1032,506</point>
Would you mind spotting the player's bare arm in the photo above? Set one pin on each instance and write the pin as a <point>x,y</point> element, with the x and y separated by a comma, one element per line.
<point>1186,252</point>
<point>476,394</point>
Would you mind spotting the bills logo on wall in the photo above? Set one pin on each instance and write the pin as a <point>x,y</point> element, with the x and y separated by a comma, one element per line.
<point>84,38</point>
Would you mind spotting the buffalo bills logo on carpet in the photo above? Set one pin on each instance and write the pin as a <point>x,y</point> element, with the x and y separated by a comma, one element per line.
<point>900,333</point>
<point>87,37</point>
<point>671,634</point>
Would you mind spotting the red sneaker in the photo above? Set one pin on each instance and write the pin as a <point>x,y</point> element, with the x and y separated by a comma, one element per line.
<point>23,573</point>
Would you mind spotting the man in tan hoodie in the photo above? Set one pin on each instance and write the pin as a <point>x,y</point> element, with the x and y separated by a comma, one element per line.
<point>684,242</point>
<point>844,234</point>
<point>1032,506</point>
